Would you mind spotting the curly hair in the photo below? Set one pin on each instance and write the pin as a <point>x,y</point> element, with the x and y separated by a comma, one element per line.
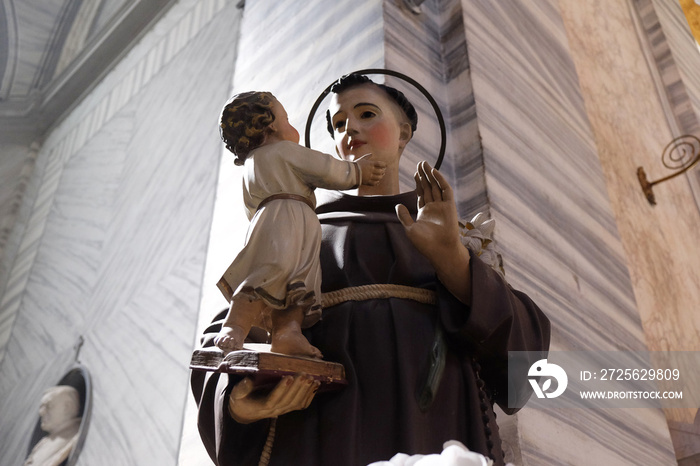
<point>245,122</point>
<point>354,79</point>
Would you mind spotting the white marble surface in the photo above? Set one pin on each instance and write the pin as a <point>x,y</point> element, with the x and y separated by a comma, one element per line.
<point>431,48</point>
<point>631,128</point>
<point>682,45</point>
<point>16,166</point>
<point>115,242</point>
<point>555,225</point>
<point>673,58</point>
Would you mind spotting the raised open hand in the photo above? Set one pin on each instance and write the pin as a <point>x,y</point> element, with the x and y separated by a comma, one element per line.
<point>435,233</point>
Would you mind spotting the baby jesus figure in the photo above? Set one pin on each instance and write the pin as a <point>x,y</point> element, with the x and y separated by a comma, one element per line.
<point>275,281</point>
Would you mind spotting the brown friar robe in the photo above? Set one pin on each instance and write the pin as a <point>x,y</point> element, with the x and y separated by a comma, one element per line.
<point>386,346</point>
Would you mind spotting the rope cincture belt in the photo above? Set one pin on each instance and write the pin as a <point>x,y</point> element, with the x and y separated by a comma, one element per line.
<point>356,293</point>
<point>381,291</point>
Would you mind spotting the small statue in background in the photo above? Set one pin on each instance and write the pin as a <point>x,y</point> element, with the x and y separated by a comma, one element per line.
<point>275,281</point>
<point>59,411</point>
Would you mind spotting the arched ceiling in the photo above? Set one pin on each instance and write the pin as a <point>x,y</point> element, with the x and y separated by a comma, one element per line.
<point>52,51</point>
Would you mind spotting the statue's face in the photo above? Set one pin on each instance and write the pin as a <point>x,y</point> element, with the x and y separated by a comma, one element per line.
<point>54,412</point>
<point>366,120</point>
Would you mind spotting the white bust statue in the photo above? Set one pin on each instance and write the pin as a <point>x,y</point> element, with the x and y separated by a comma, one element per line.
<point>59,410</point>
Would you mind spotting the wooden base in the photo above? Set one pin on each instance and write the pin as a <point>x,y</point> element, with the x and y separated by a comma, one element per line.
<point>266,368</point>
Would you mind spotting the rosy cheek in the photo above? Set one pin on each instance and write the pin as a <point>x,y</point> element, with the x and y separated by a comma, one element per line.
<point>380,135</point>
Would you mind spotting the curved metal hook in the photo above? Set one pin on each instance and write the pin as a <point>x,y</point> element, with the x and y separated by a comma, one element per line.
<point>682,141</point>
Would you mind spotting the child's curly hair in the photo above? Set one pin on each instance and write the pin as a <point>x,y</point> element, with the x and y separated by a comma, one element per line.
<point>245,122</point>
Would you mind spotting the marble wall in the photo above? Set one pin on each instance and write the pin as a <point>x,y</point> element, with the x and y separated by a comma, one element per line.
<point>17,163</point>
<point>673,58</point>
<point>114,242</point>
<point>629,113</point>
<point>431,48</point>
<point>555,225</point>
<point>16,167</point>
<point>631,130</point>
<point>682,46</point>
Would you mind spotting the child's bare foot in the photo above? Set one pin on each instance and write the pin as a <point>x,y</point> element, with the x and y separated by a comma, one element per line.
<point>292,342</point>
<point>230,338</point>
<point>242,314</point>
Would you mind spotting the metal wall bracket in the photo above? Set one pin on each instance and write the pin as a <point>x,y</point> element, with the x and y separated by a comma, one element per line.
<point>681,154</point>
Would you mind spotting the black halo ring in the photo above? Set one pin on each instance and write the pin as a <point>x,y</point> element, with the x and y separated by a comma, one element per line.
<point>396,74</point>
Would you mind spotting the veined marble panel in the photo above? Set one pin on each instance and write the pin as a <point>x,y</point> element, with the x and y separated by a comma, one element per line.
<point>662,260</point>
<point>555,226</point>
<point>682,45</point>
<point>18,274</point>
<point>114,246</point>
<point>654,38</point>
<point>16,166</point>
<point>673,58</point>
<point>431,48</point>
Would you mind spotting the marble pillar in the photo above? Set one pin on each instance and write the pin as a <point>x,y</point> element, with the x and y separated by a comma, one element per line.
<point>639,94</point>
<point>557,225</point>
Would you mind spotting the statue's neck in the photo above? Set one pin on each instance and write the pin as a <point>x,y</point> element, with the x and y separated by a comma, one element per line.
<point>68,427</point>
<point>387,186</point>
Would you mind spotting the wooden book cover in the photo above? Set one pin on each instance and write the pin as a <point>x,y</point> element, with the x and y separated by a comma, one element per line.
<point>256,360</point>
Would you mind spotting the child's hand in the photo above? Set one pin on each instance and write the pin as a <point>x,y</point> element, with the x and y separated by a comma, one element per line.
<point>372,172</point>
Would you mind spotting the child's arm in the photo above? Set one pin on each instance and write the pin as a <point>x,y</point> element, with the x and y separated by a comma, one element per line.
<point>325,171</point>
<point>371,172</point>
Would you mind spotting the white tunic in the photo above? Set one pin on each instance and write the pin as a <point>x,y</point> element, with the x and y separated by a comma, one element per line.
<point>280,260</point>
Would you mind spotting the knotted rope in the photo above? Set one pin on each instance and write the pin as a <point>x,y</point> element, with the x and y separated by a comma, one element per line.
<point>365,292</point>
